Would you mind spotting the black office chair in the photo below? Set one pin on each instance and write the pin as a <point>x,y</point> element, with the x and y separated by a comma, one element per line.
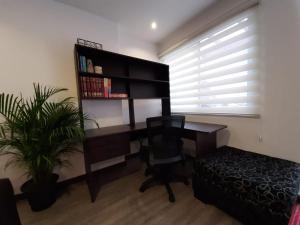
<point>165,149</point>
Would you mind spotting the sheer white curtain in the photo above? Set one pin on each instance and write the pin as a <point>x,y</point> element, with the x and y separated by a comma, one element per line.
<point>217,71</point>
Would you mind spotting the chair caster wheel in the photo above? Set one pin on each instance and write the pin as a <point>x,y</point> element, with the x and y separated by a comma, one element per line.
<point>142,189</point>
<point>147,172</point>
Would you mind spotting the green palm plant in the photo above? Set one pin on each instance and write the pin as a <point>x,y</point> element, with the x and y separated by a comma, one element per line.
<point>38,132</point>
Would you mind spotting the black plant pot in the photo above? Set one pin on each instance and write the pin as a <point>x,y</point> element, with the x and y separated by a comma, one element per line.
<point>40,196</point>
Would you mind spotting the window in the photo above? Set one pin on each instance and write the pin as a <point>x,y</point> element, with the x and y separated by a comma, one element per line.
<point>216,73</point>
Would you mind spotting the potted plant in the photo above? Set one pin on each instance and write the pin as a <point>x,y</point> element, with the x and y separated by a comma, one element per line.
<point>38,133</point>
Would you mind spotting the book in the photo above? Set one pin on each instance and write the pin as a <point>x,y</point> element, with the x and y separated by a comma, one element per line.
<point>92,86</point>
<point>83,65</point>
<point>102,87</point>
<point>109,87</point>
<point>90,67</point>
<point>99,87</point>
<point>105,87</point>
<point>89,93</point>
<point>118,95</point>
<point>95,88</point>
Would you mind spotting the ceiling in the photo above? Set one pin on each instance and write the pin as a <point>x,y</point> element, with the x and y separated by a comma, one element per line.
<point>136,15</point>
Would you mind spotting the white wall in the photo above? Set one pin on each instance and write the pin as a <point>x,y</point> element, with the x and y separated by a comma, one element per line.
<point>279,124</point>
<point>36,45</point>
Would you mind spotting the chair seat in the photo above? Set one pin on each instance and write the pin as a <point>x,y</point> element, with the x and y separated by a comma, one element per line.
<point>154,161</point>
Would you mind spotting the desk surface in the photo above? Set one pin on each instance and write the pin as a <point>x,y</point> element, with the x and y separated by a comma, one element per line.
<point>191,126</point>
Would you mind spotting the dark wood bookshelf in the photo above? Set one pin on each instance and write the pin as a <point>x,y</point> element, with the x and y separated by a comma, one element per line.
<point>138,78</point>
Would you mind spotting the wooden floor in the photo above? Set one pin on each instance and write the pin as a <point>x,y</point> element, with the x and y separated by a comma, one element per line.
<point>120,203</point>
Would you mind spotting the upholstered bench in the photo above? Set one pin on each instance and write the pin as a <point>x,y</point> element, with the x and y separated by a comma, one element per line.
<point>256,189</point>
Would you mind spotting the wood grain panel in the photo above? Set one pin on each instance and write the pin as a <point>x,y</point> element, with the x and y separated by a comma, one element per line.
<point>107,147</point>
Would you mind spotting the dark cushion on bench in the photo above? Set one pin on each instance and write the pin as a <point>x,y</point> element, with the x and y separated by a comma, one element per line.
<point>254,188</point>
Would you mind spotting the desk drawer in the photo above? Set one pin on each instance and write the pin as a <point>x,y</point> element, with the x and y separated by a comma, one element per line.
<point>107,147</point>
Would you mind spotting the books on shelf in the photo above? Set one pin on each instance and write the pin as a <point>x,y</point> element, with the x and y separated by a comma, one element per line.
<point>85,65</point>
<point>93,87</point>
<point>118,95</point>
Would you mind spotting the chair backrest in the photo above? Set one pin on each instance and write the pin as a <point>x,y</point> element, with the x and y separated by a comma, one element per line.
<point>169,130</point>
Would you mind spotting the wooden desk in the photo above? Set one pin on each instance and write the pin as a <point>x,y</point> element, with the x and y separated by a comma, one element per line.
<point>109,142</point>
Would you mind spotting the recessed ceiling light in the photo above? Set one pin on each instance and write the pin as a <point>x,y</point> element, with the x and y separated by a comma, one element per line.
<point>153,25</point>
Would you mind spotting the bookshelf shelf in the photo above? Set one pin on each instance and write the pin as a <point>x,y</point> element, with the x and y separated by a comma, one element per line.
<point>149,80</point>
<point>100,98</point>
<point>95,75</point>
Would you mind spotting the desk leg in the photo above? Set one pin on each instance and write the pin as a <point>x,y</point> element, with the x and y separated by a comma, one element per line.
<point>205,143</point>
<point>89,179</point>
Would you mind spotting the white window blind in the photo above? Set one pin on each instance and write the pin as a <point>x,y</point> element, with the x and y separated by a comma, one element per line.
<point>216,73</point>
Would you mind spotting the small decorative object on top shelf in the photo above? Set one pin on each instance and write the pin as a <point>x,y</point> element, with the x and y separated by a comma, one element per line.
<point>89,43</point>
<point>90,67</point>
<point>98,70</point>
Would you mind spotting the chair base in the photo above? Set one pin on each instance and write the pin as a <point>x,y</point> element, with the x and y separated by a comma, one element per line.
<point>158,179</point>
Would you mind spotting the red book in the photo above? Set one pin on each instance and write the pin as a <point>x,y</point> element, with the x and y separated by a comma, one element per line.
<point>85,87</point>
<point>94,87</point>
<point>105,88</point>
<point>102,87</point>
<point>98,87</point>
<point>89,89</point>
<point>109,87</point>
